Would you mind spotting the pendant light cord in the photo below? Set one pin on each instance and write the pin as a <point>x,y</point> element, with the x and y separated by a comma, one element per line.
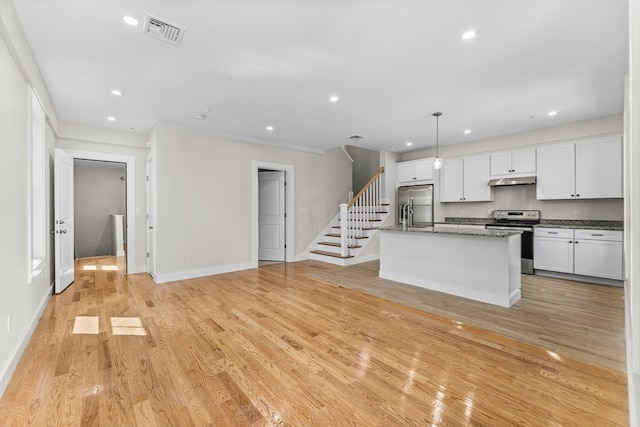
<point>437,116</point>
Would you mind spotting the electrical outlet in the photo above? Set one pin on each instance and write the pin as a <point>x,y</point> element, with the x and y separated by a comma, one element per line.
<point>192,256</point>
<point>576,212</point>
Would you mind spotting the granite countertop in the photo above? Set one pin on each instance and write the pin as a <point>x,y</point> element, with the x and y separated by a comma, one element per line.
<point>581,224</point>
<point>466,221</point>
<point>455,231</point>
<point>585,224</point>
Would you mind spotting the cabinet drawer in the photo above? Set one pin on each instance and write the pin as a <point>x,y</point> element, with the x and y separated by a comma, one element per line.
<point>566,233</point>
<point>610,235</point>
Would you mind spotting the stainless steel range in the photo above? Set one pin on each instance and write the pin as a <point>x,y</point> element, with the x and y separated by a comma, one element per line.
<point>519,221</point>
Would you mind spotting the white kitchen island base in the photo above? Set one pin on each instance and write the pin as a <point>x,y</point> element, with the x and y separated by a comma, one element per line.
<point>483,265</point>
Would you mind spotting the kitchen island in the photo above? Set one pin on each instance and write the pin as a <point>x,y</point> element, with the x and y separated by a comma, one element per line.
<point>483,265</point>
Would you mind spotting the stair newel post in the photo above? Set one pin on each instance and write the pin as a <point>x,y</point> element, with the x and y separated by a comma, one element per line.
<point>344,230</point>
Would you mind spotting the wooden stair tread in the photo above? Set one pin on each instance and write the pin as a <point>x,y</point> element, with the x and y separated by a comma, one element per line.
<point>338,235</point>
<point>337,245</point>
<point>331,254</point>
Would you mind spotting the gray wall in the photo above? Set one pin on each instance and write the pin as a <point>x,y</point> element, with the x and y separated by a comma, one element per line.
<point>98,193</point>
<point>365,164</point>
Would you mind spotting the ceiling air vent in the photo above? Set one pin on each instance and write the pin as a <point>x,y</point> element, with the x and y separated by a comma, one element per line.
<point>356,137</point>
<point>164,30</point>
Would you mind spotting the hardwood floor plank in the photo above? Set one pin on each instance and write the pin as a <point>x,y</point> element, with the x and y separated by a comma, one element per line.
<point>289,344</point>
<point>581,320</point>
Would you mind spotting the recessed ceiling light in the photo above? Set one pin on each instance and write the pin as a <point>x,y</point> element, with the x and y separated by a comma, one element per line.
<point>468,131</point>
<point>409,143</point>
<point>334,98</point>
<point>269,128</point>
<point>469,35</point>
<point>116,92</point>
<point>111,119</point>
<point>200,116</point>
<point>130,20</point>
<point>552,113</point>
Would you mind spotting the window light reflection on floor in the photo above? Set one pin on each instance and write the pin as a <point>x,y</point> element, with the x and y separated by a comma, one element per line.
<point>89,325</point>
<point>86,325</point>
<point>102,267</point>
<point>127,326</point>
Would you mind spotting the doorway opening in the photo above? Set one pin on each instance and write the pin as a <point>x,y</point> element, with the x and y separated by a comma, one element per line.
<point>100,208</point>
<point>272,230</point>
<point>128,225</point>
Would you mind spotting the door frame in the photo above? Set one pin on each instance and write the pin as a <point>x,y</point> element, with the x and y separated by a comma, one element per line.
<point>288,170</point>
<point>275,254</point>
<point>130,230</point>
<point>151,210</point>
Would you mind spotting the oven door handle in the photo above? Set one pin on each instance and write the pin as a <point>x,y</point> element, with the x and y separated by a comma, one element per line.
<point>492,227</point>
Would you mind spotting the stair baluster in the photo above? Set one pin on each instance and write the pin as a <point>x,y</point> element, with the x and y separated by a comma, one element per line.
<point>357,215</point>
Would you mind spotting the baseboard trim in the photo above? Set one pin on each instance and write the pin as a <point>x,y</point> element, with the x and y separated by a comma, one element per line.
<point>579,278</point>
<point>202,272</point>
<point>13,364</point>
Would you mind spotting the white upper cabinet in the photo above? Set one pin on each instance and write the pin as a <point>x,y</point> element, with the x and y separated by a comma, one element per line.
<point>465,179</point>
<point>556,172</point>
<point>514,163</point>
<point>586,169</point>
<point>599,168</point>
<point>415,171</point>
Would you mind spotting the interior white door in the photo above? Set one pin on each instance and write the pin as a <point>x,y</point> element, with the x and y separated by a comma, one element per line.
<point>271,216</point>
<point>63,214</point>
<point>151,232</point>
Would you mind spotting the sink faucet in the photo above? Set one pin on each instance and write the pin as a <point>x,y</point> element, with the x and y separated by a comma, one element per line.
<point>406,211</point>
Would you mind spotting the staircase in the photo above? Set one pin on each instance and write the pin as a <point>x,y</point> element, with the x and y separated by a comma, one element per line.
<point>352,236</point>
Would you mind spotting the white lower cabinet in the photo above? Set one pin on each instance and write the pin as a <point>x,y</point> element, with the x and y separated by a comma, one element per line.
<point>553,249</point>
<point>596,253</point>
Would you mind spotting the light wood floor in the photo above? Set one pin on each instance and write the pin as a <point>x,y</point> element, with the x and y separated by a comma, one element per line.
<point>274,346</point>
<point>577,319</point>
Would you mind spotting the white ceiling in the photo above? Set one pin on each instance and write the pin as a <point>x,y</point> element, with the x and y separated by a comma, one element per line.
<point>255,63</point>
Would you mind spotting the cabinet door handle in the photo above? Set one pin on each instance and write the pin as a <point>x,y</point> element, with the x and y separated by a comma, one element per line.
<point>595,234</point>
<point>552,232</point>
<point>576,242</point>
<point>571,241</point>
<point>577,195</point>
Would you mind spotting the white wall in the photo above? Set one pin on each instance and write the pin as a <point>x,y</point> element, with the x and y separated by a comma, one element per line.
<point>632,214</point>
<point>21,302</point>
<point>203,199</point>
<point>600,126</point>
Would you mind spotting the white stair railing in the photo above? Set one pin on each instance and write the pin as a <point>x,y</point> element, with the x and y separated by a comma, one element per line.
<point>356,216</point>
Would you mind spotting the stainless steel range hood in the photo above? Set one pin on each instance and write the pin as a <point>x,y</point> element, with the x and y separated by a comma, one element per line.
<point>522,180</point>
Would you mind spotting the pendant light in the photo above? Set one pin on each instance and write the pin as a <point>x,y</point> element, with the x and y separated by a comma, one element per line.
<point>437,162</point>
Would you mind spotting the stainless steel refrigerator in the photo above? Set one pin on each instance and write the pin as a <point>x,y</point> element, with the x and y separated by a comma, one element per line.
<point>415,205</point>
